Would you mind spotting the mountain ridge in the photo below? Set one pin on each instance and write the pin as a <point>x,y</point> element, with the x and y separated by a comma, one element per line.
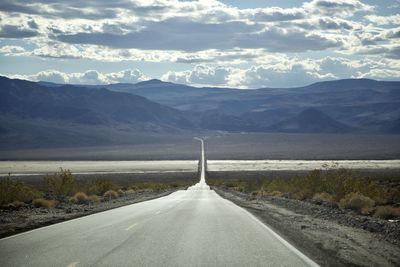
<point>107,112</point>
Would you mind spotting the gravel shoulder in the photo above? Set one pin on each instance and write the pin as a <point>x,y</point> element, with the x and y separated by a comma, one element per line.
<point>28,217</point>
<point>328,235</point>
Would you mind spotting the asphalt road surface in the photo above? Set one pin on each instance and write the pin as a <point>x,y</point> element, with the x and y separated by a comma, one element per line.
<point>195,227</point>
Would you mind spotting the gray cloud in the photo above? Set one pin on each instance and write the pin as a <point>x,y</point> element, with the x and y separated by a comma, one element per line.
<point>337,7</point>
<point>63,9</point>
<point>277,14</point>
<point>32,24</point>
<point>12,31</point>
<point>172,34</point>
<point>182,34</point>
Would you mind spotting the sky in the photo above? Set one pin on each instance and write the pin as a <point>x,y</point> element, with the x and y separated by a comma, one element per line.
<point>230,43</point>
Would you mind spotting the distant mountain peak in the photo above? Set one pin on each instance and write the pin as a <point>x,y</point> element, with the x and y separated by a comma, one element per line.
<point>152,82</point>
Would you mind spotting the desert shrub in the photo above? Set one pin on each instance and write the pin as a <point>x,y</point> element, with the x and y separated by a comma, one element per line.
<point>121,192</point>
<point>12,190</point>
<point>276,193</point>
<point>148,186</point>
<point>110,194</point>
<point>326,197</point>
<point>94,199</point>
<point>44,203</point>
<point>387,212</point>
<point>357,202</point>
<point>62,183</point>
<point>79,198</point>
<point>394,195</point>
<point>15,205</point>
<point>130,191</point>
<point>336,183</point>
<point>101,186</point>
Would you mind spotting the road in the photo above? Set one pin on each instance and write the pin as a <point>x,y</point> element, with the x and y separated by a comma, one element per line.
<point>195,227</point>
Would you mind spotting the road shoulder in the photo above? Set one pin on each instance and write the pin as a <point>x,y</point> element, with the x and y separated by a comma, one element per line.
<point>28,218</point>
<point>327,241</point>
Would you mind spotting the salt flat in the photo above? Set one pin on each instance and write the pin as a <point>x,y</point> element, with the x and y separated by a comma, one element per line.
<point>87,167</point>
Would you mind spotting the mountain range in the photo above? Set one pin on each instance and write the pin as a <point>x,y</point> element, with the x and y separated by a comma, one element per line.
<point>37,113</point>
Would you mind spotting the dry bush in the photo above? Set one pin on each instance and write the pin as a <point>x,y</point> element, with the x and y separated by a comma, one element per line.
<point>276,193</point>
<point>357,202</point>
<point>300,195</point>
<point>326,197</point>
<point>101,186</point>
<point>94,199</point>
<point>44,203</point>
<point>79,198</point>
<point>15,205</point>
<point>148,186</point>
<point>120,192</point>
<point>337,183</point>
<point>11,190</point>
<point>387,212</point>
<point>62,183</point>
<point>110,194</point>
<point>130,191</point>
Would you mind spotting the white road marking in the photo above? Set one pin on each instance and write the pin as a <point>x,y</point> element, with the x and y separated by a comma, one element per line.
<point>73,264</point>
<point>130,227</point>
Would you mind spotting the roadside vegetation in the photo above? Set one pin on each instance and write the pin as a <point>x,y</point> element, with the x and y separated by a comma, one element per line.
<point>339,188</point>
<point>63,188</point>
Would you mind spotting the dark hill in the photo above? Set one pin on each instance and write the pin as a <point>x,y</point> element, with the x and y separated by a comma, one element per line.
<point>311,120</point>
<point>24,99</point>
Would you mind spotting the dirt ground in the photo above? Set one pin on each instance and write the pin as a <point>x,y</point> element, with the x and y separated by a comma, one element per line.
<point>328,235</point>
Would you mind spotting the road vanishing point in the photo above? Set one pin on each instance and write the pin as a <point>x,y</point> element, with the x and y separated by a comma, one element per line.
<point>194,227</point>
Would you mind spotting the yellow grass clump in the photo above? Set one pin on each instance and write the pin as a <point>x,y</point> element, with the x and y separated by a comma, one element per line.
<point>110,194</point>
<point>387,212</point>
<point>44,203</point>
<point>79,198</point>
<point>357,202</point>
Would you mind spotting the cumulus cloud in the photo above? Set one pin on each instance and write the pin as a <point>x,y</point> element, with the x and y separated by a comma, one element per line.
<point>88,77</point>
<point>384,20</point>
<point>183,25</point>
<point>289,72</point>
<point>201,75</point>
<point>224,45</point>
<point>12,50</point>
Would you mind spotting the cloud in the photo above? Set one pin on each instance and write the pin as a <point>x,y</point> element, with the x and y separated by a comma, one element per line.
<point>12,50</point>
<point>388,51</point>
<point>181,34</point>
<point>287,75</point>
<point>280,72</point>
<point>172,34</point>
<point>289,72</point>
<point>62,9</point>
<point>201,74</point>
<point>281,40</point>
<point>53,76</point>
<point>87,77</point>
<point>384,20</point>
<point>341,8</point>
<point>273,14</point>
<point>127,76</point>
<point>224,45</point>
<point>13,31</point>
